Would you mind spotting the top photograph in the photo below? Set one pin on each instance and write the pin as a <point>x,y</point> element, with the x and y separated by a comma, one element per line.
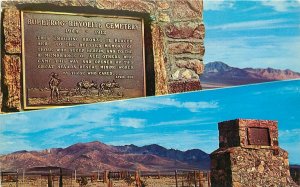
<point>70,52</point>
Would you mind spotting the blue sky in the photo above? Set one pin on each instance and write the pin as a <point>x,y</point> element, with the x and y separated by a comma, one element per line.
<point>257,34</point>
<point>181,121</point>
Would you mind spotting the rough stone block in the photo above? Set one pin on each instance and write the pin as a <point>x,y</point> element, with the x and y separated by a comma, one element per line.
<point>186,47</point>
<point>108,4</point>
<point>187,9</point>
<point>159,61</point>
<point>184,74</point>
<point>163,5</point>
<point>164,17</point>
<point>135,5</point>
<point>71,2</point>
<point>12,30</point>
<point>189,30</point>
<point>184,86</point>
<point>193,64</point>
<point>236,132</point>
<point>12,81</point>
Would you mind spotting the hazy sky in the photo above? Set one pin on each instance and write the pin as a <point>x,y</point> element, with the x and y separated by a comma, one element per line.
<point>257,34</point>
<point>181,121</point>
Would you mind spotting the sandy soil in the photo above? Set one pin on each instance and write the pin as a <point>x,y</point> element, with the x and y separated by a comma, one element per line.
<point>149,181</point>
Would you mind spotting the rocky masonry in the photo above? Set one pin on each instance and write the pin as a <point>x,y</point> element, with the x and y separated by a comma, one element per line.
<point>177,33</point>
<point>240,161</point>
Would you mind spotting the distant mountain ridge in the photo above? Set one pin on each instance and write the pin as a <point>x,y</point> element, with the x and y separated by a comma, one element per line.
<point>219,73</point>
<point>86,157</point>
<point>193,156</point>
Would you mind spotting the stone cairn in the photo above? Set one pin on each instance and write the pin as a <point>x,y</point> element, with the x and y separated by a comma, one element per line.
<point>249,155</point>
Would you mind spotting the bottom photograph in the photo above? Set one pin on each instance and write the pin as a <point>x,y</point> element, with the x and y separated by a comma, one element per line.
<point>239,136</point>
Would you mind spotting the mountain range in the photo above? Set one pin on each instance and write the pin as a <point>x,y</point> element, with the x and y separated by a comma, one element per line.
<point>92,156</point>
<point>219,74</point>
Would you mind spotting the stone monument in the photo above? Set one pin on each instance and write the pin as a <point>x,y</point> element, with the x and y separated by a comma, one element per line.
<point>249,155</point>
<point>64,52</point>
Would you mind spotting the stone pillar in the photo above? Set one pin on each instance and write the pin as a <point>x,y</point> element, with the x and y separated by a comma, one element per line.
<point>11,60</point>
<point>249,155</point>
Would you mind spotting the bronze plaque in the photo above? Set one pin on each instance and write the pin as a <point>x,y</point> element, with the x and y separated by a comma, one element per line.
<point>81,58</point>
<point>258,136</point>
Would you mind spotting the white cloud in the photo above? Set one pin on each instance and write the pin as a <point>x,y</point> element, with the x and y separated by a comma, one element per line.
<point>167,101</point>
<point>277,5</point>
<point>293,150</point>
<point>290,141</point>
<point>217,4</point>
<point>135,106</point>
<point>281,5</point>
<point>34,121</point>
<point>260,24</point>
<point>191,106</point>
<point>132,122</point>
<point>10,119</point>
<point>161,102</point>
<point>183,122</point>
<point>82,122</point>
<point>196,106</point>
<point>83,135</point>
<point>256,52</point>
<point>109,129</point>
<point>289,134</point>
<point>14,143</point>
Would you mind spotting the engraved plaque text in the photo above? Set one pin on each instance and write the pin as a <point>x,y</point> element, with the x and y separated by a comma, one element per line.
<point>81,58</point>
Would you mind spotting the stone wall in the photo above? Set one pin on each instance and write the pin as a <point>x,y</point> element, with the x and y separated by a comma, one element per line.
<point>177,32</point>
<point>238,164</point>
<point>237,167</point>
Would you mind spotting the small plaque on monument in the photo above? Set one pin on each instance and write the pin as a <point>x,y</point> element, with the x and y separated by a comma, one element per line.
<point>258,136</point>
<point>81,58</point>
